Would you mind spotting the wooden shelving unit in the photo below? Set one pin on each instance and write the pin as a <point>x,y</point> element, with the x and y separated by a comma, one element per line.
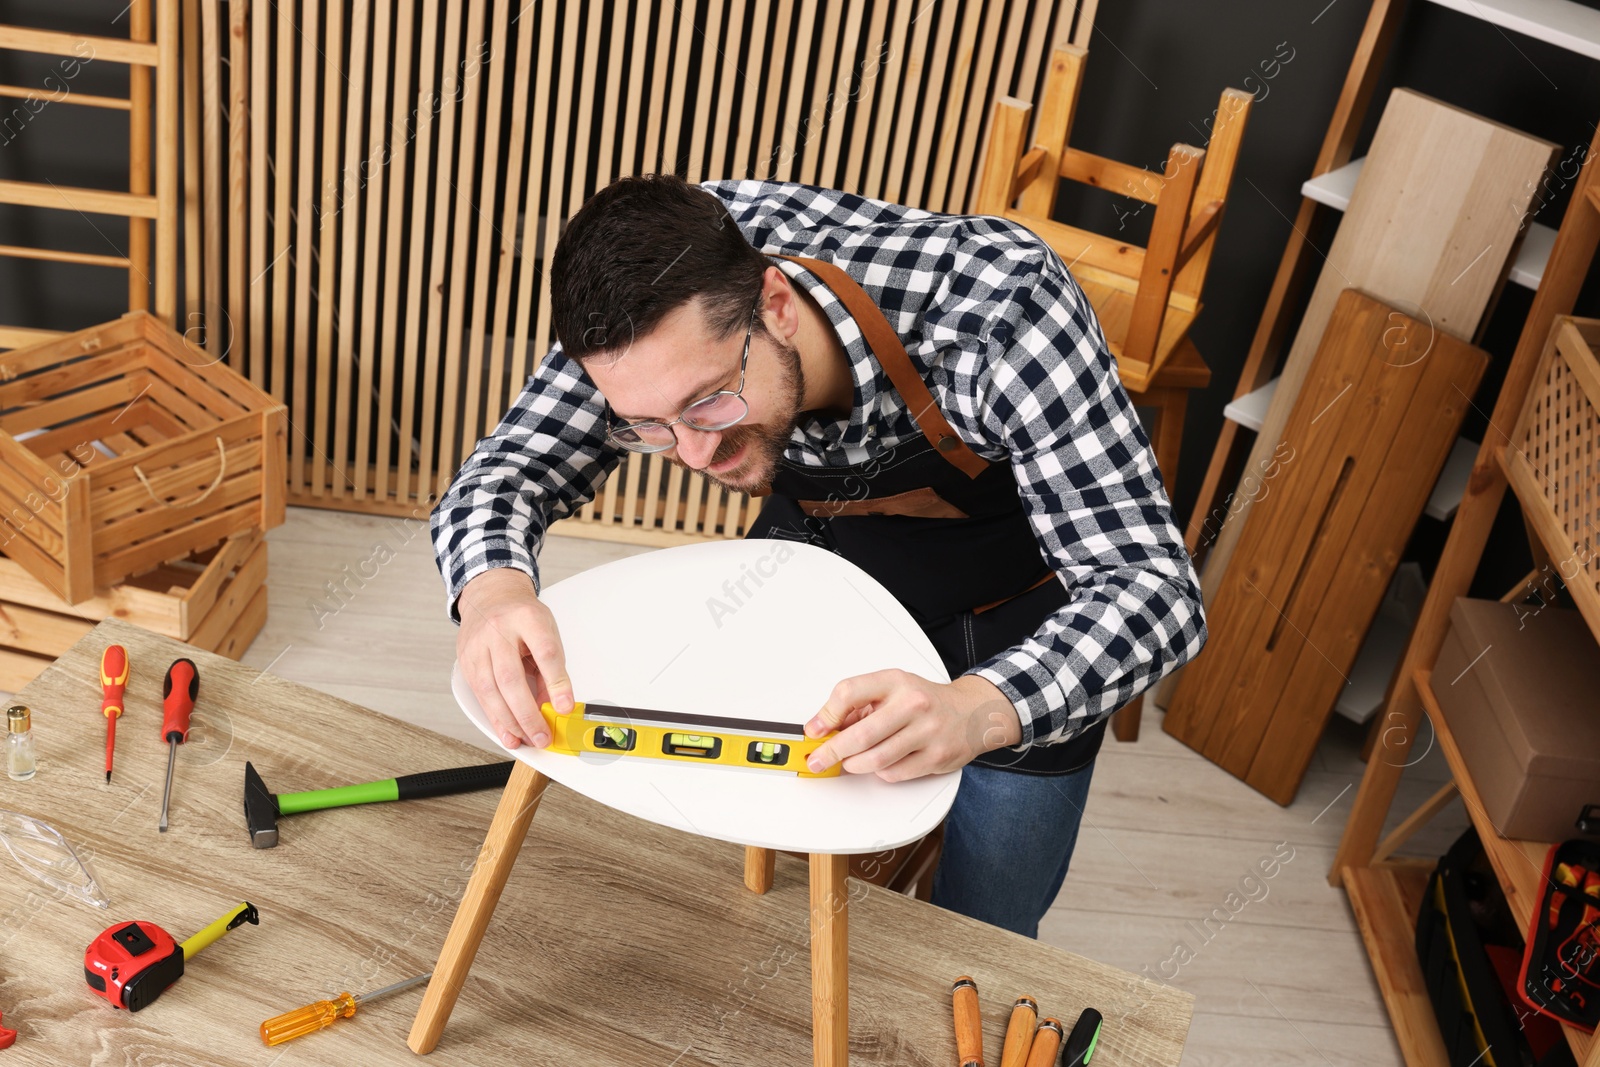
<point>1387,897</point>
<point>1385,893</point>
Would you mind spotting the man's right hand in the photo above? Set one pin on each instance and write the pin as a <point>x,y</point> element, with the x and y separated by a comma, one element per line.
<point>507,634</point>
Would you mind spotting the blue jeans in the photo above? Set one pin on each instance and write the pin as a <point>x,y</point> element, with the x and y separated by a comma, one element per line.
<point>1007,842</point>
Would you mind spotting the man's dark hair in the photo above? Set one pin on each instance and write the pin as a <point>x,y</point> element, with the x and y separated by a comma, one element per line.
<point>638,250</point>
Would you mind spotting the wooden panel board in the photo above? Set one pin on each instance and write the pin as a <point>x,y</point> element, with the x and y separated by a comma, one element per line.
<point>1431,227</point>
<point>1380,412</point>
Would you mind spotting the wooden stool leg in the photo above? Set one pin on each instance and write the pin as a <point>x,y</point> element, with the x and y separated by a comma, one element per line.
<point>1125,720</point>
<point>489,874</point>
<point>758,864</point>
<point>830,962</point>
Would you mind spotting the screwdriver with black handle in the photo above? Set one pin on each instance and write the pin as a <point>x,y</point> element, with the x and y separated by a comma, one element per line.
<point>324,1013</point>
<point>178,691</point>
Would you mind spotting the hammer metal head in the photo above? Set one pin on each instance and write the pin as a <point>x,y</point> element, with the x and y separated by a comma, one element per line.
<point>260,810</point>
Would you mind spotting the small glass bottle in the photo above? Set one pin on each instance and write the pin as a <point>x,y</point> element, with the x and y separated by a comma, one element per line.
<point>20,762</point>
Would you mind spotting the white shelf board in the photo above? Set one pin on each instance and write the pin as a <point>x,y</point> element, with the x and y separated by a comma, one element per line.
<point>1386,642</point>
<point>1559,22</point>
<point>1452,483</point>
<point>1335,187</point>
<point>1250,410</point>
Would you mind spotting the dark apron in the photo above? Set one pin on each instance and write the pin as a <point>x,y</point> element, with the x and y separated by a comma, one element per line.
<point>941,528</point>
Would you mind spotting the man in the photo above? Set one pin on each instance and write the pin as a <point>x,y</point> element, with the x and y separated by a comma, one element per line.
<point>931,397</point>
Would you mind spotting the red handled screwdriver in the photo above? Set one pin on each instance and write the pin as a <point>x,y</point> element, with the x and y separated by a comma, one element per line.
<point>177,703</point>
<point>113,682</point>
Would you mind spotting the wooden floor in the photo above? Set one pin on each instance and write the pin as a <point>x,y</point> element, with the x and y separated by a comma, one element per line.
<point>357,610</point>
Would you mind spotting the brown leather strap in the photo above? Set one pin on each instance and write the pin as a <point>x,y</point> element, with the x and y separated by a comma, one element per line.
<point>1007,599</point>
<point>891,354</point>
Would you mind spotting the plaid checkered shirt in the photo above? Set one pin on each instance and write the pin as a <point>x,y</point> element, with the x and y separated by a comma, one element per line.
<point>1013,354</point>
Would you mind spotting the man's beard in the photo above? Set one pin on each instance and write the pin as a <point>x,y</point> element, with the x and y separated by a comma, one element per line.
<point>765,441</point>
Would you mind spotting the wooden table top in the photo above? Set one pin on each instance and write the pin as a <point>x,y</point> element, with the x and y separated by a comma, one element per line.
<point>616,941</point>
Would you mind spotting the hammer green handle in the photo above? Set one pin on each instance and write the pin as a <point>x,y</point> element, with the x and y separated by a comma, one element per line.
<point>406,787</point>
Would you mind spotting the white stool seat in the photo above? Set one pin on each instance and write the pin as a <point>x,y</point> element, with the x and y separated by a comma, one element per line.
<point>752,629</point>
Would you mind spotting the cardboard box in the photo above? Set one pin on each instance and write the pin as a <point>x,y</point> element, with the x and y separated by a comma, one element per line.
<point>1520,691</point>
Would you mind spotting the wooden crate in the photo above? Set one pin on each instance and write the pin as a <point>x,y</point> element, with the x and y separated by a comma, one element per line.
<point>1553,460</point>
<point>215,600</point>
<point>123,446</point>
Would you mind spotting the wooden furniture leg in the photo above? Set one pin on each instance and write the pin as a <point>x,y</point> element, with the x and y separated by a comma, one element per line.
<point>1125,720</point>
<point>506,833</point>
<point>830,962</point>
<point>758,864</point>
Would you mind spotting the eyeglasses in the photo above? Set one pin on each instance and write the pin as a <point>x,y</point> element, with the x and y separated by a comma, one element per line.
<point>46,855</point>
<point>720,410</point>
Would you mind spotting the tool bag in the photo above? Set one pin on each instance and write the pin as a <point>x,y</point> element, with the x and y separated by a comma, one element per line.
<point>1469,947</point>
<point>1561,967</point>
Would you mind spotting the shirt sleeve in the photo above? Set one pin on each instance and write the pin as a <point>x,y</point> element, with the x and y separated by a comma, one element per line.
<point>546,459</point>
<point>1048,390</point>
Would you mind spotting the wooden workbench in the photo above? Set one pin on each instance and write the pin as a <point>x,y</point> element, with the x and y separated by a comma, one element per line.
<point>616,942</point>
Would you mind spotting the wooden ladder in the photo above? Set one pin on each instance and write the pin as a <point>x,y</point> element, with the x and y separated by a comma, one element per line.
<point>153,135</point>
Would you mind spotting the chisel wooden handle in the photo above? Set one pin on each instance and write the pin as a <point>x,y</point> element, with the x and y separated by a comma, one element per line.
<point>969,1023</point>
<point>1019,1033</point>
<point>1046,1043</point>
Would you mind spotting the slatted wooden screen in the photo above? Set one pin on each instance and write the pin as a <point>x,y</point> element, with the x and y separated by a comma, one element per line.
<point>410,164</point>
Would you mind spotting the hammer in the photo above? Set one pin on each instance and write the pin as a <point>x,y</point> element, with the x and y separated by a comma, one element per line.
<point>261,808</point>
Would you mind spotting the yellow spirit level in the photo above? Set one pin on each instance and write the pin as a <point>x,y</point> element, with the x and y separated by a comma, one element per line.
<point>602,728</point>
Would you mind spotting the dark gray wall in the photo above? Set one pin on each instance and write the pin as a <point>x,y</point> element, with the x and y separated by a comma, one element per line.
<point>1155,71</point>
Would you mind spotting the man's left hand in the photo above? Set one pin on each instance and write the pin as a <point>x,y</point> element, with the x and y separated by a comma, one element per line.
<point>899,726</point>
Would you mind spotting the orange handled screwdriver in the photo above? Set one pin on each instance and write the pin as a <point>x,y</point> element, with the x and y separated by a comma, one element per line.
<point>113,682</point>
<point>178,691</point>
<point>313,1017</point>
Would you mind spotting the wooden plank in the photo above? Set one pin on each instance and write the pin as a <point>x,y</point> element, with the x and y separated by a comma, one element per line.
<point>1371,437</point>
<point>960,74</point>
<point>47,633</point>
<point>1388,930</point>
<point>1077,246</point>
<point>321,412</point>
<point>356,101</point>
<point>276,171</point>
<point>807,135</point>
<point>390,323</point>
<point>517,161</point>
<point>1430,230</point>
<point>527,309</point>
<point>55,43</point>
<point>893,188</point>
<point>305,36</point>
<point>853,174</point>
<point>112,103</point>
<point>694,170</point>
<point>970,146</point>
<point>240,355</point>
<point>244,630</point>
<point>467,229</point>
<point>488,241</point>
<point>415,274</point>
<point>54,256</point>
<point>839,102</point>
<point>69,198</point>
<point>889,68</point>
<point>428,476</point>
<point>211,307</point>
<point>193,276</point>
<point>280,266</point>
<point>166,160</point>
<point>233,601</point>
<point>1110,175</point>
<point>141,118</point>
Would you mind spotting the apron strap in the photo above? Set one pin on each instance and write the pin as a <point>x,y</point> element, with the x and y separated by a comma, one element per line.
<point>891,354</point>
